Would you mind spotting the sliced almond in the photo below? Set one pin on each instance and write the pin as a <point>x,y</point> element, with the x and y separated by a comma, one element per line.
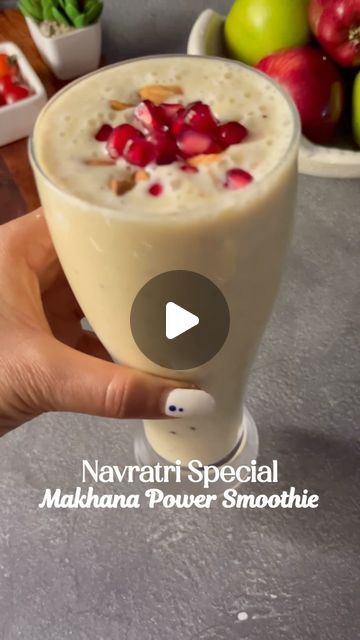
<point>159,92</point>
<point>204,158</point>
<point>99,162</point>
<point>141,175</point>
<point>117,105</point>
<point>119,186</point>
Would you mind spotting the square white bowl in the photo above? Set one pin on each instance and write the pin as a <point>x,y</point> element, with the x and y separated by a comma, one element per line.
<point>17,120</point>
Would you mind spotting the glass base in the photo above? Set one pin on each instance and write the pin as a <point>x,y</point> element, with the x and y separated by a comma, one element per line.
<point>246,450</point>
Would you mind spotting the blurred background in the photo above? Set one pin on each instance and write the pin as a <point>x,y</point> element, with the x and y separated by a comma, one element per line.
<point>141,31</point>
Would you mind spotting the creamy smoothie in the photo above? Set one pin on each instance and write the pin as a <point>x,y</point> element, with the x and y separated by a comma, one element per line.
<point>173,163</point>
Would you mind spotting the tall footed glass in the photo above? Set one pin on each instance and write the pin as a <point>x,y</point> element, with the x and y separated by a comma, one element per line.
<point>237,240</point>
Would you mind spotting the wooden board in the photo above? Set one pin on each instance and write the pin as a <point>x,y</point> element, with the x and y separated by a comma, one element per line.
<point>18,193</point>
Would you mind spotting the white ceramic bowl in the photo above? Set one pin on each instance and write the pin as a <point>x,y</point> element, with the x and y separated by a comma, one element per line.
<point>17,119</point>
<point>206,38</point>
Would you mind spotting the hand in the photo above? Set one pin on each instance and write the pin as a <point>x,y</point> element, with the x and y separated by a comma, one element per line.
<point>48,362</point>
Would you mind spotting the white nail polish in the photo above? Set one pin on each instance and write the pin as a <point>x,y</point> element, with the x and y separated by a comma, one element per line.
<point>187,403</point>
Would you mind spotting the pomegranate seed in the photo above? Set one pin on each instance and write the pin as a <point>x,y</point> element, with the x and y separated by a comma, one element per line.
<point>192,143</point>
<point>178,123</point>
<point>174,133</point>
<point>170,111</point>
<point>200,117</point>
<point>187,168</point>
<point>119,139</point>
<point>140,152</point>
<point>2,100</point>
<point>104,132</point>
<point>231,133</point>
<point>156,189</point>
<point>237,179</point>
<point>166,149</point>
<point>151,116</point>
<point>215,148</point>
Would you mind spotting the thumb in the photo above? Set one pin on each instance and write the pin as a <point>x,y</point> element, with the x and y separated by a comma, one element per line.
<point>84,384</point>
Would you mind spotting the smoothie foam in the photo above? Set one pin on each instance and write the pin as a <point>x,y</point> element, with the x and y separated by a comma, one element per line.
<point>64,136</point>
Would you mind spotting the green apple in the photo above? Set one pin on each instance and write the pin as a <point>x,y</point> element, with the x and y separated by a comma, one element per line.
<point>257,28</point>
<point>356,109</point>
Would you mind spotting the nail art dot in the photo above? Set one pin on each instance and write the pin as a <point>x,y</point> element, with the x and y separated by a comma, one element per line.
<point>172,407</point>
<point>181,409</point>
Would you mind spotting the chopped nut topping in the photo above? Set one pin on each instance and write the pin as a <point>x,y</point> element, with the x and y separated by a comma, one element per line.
<point>117,105</point>
<point>159,92</point>
<point>119,186</point>
<point>203,158</point>
<point>99,162</point>
<point>141,175</point>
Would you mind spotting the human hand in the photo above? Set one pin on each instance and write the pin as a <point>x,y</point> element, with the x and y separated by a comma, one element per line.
<point>48,362</point>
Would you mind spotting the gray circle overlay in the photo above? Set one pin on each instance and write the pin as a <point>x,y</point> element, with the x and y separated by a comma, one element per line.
<point>196,294</point>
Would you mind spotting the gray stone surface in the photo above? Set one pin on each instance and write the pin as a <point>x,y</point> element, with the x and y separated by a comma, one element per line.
<point>142,575</point>
<point>146,575</point>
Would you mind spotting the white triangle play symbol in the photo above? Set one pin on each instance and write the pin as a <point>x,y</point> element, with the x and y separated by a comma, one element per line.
<point>178,320</point>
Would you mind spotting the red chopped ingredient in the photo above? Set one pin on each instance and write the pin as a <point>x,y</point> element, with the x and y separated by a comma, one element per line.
<point>230,133</point>
<point>187,168</point>
<point>166,149</point>
<point>5,83</point>
<point>151,116</point>
<point>9,67</point>
<point>237,179</point>
<point>156,189</point>
<point>170,132</point>
<point>170,111</point>
<point>141,152</point>
<point>193,143</point>
<point>103,133</point>
<point>200,117</point>
<point>119,139</point>
<point>16,92</point>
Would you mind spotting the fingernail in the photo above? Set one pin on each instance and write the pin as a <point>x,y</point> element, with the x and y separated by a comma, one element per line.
<point>187,403</point>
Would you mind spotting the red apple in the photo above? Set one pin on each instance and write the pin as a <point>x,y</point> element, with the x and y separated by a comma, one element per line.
<point>315,85</point>
<point>336,25</point>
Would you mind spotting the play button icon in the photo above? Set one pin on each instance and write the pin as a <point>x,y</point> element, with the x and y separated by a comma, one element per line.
<point>180,319</point>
